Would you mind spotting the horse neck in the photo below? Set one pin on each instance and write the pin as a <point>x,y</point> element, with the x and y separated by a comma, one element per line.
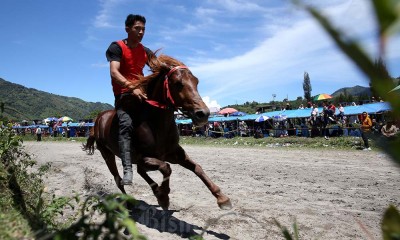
<point>155,89</point>
<point>155,92</point>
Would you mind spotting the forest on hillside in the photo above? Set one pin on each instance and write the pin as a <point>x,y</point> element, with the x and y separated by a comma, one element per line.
<point>22,103</point>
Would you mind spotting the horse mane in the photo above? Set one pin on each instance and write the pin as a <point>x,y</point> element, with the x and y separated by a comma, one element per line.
<point>159,65</point>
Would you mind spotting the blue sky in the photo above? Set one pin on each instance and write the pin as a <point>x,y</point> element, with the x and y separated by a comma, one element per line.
<point>240,50</point>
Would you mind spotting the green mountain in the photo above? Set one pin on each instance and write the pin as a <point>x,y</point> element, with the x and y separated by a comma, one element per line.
<point>22,103</point>
<point>353,91</point>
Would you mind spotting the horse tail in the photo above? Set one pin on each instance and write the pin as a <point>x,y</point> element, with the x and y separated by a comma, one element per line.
<point>89,146</point>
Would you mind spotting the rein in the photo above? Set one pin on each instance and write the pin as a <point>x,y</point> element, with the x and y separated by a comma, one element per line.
<point>167,93</point>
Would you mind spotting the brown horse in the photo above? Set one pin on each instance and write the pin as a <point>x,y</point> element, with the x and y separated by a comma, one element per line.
<point>171,86</point>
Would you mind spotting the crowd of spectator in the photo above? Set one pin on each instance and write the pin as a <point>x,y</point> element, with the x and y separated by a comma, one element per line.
<point>325,123</point>
<point>41,129</point>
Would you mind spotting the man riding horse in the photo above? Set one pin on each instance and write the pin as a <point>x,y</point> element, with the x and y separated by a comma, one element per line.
<point>171,86</point>
<point>127,59</point>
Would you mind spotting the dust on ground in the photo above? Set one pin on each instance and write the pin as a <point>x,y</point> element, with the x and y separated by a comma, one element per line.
<point>330,194</point>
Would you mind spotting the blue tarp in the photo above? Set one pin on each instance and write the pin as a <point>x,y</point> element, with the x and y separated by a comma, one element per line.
<point>371,108</point>
<point>238,114</point>
<point>31,126</point>
<point>63,125</point>
<point>77,125</point>
<point>183,121</point>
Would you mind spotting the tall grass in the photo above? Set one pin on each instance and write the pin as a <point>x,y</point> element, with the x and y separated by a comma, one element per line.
<point>28,212</point>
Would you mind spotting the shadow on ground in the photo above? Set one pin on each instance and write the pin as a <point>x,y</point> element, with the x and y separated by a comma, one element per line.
<point>163,221</point>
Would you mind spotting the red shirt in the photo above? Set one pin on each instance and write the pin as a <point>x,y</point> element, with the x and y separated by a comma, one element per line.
<point>132,64</point>
<point>333,108</point>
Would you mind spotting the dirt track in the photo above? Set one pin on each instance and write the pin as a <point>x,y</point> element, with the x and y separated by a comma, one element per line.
<point>331,194</point>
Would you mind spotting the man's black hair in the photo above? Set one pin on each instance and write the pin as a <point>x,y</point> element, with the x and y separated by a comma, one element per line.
<point>131,19</point>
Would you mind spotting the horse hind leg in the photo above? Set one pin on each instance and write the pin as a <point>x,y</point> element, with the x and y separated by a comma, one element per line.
<point>89,146</point>
<point>222,200</point>
<point>161,192</point>
<point>109,158</point>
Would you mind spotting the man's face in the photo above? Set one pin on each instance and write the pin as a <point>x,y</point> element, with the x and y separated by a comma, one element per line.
<point>137,30</point>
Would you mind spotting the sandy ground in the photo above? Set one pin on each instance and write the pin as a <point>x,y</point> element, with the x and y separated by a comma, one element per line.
<point>331,194</point>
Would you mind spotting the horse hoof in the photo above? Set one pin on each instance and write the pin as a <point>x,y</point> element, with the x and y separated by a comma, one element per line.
<point>163,202</point>
<point>164,206</point>
<point>226,205</point>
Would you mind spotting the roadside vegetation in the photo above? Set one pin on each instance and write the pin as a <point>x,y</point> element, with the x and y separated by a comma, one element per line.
<point>27,211</point>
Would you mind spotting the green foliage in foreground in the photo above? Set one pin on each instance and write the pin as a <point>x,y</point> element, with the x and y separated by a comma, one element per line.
<point>27,212</point>
<point>391,224</point>
<point>387,17</point>
<point>116,219</point>
<point>20,191</point>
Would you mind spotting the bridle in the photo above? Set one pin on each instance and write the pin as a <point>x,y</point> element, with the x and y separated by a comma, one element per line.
<point>167,94</point>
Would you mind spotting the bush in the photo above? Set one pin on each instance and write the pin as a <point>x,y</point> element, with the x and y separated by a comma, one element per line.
<point>27,212</point>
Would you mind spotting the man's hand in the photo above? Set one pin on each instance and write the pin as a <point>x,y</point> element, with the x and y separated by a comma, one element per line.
<point>137,92</point>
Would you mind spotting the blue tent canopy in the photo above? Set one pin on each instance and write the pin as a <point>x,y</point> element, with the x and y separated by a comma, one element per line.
<point>238,114</point>
<point>371,108</point>
<point>77,125</point>
<point>31,126</point>
<point>183,121</point>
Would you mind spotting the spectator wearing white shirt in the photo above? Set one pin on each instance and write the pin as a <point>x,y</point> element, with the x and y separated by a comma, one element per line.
<point>341,111</point>
<point>38,134</point>
<point>389,130</point>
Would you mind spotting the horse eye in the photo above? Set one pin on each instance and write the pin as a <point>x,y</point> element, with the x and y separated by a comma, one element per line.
<point>179,85</point>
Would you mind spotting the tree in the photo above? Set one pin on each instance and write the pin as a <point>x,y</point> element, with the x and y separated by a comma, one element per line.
<point>93,114</point>
<point>341,98</point>
<point>2,118</point>
<point>307,87</point>
<point>350,98</point>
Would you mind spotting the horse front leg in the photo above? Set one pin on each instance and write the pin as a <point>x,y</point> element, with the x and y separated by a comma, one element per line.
<point>161,192</point>
<point>184,160</point>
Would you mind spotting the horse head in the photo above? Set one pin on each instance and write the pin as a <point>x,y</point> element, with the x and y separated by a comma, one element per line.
<point>172,85</point>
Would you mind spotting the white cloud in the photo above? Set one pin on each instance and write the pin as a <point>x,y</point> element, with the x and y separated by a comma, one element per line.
<point>244,51</point>
<point>203,12</point>
<point>238,6</point>
<point>278,62</point>
<point>104,16</point>
<point>211,103</point>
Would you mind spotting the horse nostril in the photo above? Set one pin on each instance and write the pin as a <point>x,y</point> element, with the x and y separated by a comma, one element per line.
<point>202,114</point>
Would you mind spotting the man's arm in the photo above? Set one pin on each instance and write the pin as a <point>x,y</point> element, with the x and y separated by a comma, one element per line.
<point>118,77</point>
<point>122,81</point>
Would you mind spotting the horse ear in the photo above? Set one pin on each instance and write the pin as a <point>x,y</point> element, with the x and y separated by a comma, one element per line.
<point>156,64</point>
<point>163,66</point>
